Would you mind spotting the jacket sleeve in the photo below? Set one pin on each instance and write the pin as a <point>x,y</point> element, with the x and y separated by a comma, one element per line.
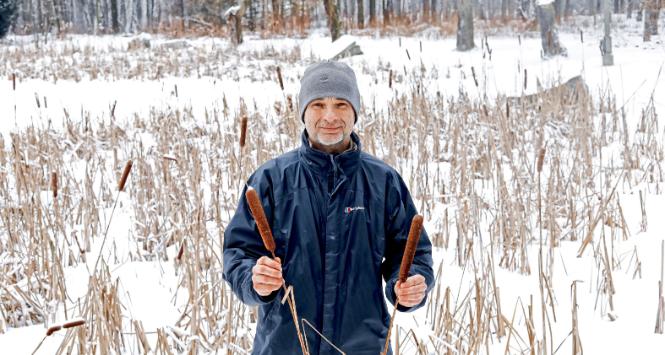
<point>399,213</point>
<point>243,245</point>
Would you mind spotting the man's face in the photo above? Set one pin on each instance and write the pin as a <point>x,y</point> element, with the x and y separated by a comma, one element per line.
<point>329,122</point>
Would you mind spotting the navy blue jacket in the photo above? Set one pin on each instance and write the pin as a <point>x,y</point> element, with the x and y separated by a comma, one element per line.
<point>340,223</point>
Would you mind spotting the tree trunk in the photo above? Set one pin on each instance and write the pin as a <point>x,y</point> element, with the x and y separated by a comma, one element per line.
<point>333,19</point>
<point>434,16</point>
<point>606,42</point>
<point>387,9</point>
<point>640,10</point>
<point>652,13</point>
<point>426,10</point>
<point>114,16</point>
<point>276,15</point>
<point>372,13</point>
<point>465,26</point>
<point>548,34</point>
<point>182,16</point>
<point>361,14</point>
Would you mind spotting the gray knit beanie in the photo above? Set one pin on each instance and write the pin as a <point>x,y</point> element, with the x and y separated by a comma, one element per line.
<point>328,79</point>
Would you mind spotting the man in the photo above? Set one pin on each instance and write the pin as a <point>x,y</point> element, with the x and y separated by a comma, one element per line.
<point>340,218</point>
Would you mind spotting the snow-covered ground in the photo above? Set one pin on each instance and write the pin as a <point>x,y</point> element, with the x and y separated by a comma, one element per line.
<point>207,75</point>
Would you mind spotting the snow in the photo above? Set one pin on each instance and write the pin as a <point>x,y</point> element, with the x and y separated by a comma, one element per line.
<point>150,290</point>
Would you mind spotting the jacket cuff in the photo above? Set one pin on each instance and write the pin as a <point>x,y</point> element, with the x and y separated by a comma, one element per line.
<point>253,298</point>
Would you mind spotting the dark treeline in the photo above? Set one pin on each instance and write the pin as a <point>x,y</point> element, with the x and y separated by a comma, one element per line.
<point>279,16</point>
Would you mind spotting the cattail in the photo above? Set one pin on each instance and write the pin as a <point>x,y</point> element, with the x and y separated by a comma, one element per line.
<point>243,130</point>
<point>54,184</point>
<point>411,243</point>
<point>279,77</point>
<point>181,251</point>
<point>13,81</point>
<point>125,174</point>
<point>525,78</point>
<point>74,323</point>
<point>53,329</point>
<point>289,102</point>
<point>169,157</point>
<point>541,157</point>
<point>260,218</point>
<point>390,79</point>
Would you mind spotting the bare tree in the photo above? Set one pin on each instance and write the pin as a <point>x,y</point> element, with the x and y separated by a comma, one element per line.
<point>651,14</point>
<point>548,33</point>
<point>606,42</point>
<point>465,26</point>
<point>7,13</point>
<point>372,13</point>
<point>361,14</point>
<point>333,19</point>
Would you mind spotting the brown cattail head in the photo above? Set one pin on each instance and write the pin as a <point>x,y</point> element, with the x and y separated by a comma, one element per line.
<point>53,329</point>
<point>54,184</point>
<point>243,130</point>
<point>541,157</point>
<point>411,243</point>
<point>260,217</point>
<point>14,81</point>
<point>125,174</point>
<point>73,323</point>
<point>279,77</point>
<point>390,79</point>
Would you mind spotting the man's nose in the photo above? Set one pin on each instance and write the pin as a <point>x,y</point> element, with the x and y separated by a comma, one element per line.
<point>329,113</point>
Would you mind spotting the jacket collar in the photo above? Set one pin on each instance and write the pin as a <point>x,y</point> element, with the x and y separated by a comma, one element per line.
<point>322,162</point>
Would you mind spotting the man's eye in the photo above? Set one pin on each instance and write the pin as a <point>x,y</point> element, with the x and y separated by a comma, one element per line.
<point>341,105</point>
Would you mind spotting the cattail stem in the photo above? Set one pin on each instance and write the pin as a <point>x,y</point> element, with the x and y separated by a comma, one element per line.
<point>269,242</point>
<point>121,187</point>
<point>407,260</point>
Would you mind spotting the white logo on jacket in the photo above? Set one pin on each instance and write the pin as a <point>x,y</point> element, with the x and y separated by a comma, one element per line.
<point>351,209</point>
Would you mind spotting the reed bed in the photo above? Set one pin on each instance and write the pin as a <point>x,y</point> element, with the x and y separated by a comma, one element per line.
<point>496,179</point>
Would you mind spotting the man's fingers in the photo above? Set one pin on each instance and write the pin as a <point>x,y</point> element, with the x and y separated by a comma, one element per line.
<point>266,271</point>
<point>413,290</point>
<point>266,280</point>
<point>274,264</point>
<point>414,280</point>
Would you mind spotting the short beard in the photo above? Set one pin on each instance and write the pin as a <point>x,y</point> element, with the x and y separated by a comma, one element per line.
<point>331,143</point>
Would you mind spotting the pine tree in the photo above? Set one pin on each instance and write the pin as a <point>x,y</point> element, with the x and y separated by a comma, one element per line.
<point>7,12</point>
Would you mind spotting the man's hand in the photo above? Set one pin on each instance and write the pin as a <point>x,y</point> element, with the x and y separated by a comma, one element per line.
<point>412,291</point>
<point>267,275</point>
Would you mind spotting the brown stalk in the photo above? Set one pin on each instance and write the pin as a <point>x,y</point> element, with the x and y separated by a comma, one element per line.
<point>407,260</point>
<point>125,175</point>
<point>74,323</point>
<point>260,218</point>
<point>411,244</point>
<point>279,77</point>
<point>541,158</point>
<point>53,329</point>
<point>54,184</point>
<point>269,242</point>
<point>243,130</point>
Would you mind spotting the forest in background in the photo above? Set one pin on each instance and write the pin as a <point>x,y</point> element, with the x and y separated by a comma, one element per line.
<point>286,17</point>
